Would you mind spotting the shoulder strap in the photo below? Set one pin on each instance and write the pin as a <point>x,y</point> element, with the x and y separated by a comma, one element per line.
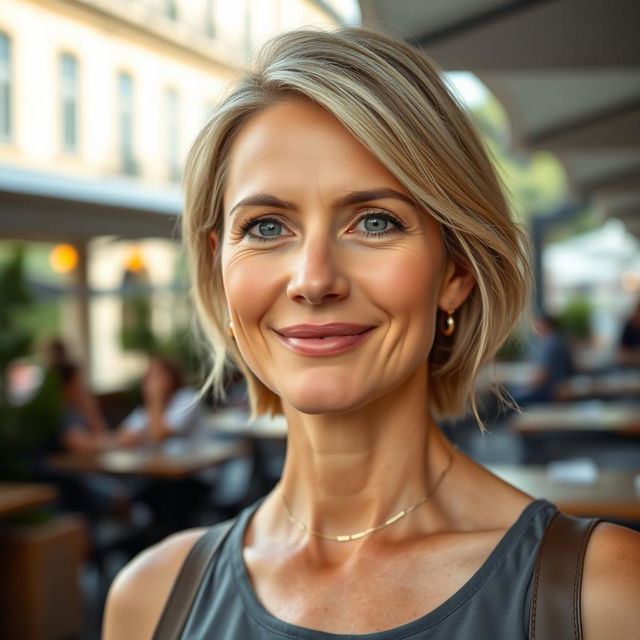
<point>557,579</point>
<point>185,587</point>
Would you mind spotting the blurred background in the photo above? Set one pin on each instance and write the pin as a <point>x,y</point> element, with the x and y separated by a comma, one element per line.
<point>105,444</point>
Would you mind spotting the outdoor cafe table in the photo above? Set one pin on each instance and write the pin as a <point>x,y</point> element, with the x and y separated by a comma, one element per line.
<point>622,418</point>
<point>173,460</point>
<point>606,385</point>
<point>236,422</point>
<point>170,467</point>
<point>18,496</point>
<point>614,494</point>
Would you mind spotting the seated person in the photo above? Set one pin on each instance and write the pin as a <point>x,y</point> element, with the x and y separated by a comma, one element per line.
<point>553,361</point>
<point>169,409</point>
<point>629,346</point>
<point>95,494</point>
<point>81,414</point>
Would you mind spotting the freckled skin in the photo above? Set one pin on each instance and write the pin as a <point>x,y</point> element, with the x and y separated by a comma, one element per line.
<point>323,267</point>
<point>362,443</point>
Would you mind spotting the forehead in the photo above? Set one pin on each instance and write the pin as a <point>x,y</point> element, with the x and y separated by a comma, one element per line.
<point>294,141</point>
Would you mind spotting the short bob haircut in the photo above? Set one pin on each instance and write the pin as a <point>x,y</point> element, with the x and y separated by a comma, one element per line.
<point>394,101</point>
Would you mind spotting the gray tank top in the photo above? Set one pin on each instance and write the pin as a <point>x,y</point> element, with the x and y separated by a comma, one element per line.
<point>493,605</point>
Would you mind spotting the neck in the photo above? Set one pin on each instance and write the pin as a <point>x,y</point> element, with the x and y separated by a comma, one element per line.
<point>351,471</point>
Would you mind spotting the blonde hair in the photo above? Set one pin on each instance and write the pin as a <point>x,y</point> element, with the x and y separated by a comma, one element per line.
<point>394,101</point>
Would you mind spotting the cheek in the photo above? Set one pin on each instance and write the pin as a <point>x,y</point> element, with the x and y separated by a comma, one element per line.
<point>241,282</point>
<point>249,286</point>
<point>406,283</point>
<point>252,286</point>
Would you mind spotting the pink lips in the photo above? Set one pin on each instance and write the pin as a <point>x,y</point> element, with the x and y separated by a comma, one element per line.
<point>322,339</point>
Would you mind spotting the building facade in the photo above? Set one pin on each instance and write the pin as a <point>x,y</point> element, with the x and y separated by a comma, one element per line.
<point>99,103</point>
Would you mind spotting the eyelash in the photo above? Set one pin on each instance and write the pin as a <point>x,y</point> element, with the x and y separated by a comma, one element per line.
<point>249,224</point>
<point>397,225</point>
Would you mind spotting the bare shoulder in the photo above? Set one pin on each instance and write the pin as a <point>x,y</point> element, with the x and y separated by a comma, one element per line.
<point>140,591</point>
<point>611,584</point>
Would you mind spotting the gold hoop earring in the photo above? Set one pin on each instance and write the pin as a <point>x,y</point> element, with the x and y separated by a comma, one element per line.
<point>230,331</point>
<point>450,326</point>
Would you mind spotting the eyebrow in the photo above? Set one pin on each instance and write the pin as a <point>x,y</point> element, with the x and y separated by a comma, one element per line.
<point>355,197</point>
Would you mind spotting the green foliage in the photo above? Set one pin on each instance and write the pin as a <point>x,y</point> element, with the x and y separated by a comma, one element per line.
<point>26,428</point>
<point>138,338</point>
<point>41,320</point>
<point>182,347</point>
<point>15,340</point>
<point>136,333</point>
<point>513,348</point>
<point>29,428</point>
<point>13,285</point>
<point>534,182</point>
<point>575,319</point>
<point>589,218</point>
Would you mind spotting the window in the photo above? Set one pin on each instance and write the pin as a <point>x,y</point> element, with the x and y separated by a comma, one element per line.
<point>136,333</point>
<point>125,115</point>
<point>172,134</point>
<point>248,27</point>
<point>5,87</point>
<point>210,19</point>
<point>171,9</point>
<point>69,96</point>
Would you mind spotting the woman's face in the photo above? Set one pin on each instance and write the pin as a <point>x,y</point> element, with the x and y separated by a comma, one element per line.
<point>317,232</point>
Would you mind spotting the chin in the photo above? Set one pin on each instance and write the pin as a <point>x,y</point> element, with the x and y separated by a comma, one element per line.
<point>320,407</point>
<point>327,396</point>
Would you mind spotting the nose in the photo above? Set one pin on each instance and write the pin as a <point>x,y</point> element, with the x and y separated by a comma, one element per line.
<point>317,274</point>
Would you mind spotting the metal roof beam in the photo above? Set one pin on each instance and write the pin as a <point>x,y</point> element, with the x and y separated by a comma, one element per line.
<point>571,130</point>
<point>476,21</point>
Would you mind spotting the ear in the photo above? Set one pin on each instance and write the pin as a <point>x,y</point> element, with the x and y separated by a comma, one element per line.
<point>457,284</point>
<point>213,241</point>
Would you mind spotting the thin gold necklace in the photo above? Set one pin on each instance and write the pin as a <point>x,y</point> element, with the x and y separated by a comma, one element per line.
<point>366,532</point>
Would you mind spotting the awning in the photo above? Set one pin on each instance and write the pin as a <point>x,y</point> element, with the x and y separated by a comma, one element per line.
<point>44,206</point>
<point>566,71</point>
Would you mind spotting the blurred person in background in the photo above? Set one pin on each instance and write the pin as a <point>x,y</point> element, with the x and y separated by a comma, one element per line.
<point>169,408</point>
<point>82,421</point>
<point>81,413</point>
<point>629,346</point>
<point>550,353</point>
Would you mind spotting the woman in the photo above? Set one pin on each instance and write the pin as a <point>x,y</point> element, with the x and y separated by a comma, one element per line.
<point>93,494</point>
<point>81,413</point>
<point>352,251</point>
<point>169,409</point>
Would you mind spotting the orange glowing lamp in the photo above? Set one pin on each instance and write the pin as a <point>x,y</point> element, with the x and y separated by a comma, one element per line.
<point>63,258</point>
<point>135,261</point>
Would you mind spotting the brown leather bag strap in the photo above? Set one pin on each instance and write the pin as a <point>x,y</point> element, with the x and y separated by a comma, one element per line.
<point>176,611</point>
<point>557,579</point>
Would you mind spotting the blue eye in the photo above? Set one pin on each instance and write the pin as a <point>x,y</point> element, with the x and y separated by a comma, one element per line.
<point>375,223</point>
<point>267,228</point>
<point>378,224</point>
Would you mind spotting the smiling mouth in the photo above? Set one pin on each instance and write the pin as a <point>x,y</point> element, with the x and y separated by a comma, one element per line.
<point>322,341</point>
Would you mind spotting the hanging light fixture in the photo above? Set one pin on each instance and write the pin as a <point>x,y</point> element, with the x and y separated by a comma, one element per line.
<point>135,260</point>
<point>63,258</point>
